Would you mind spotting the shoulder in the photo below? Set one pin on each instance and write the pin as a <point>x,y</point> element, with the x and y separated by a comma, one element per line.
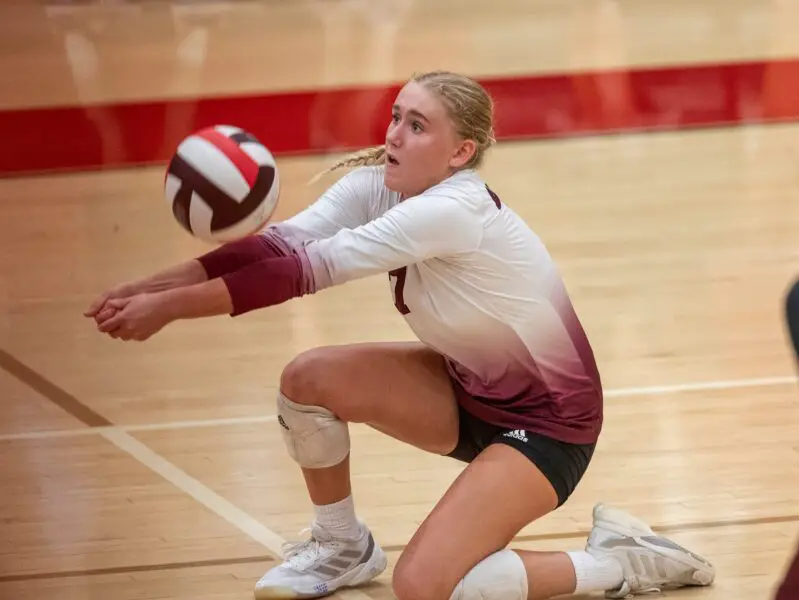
<point>369,178</point>
<point>457,208</point>
<point>463,196</point>
<point>466,189</point>
<point>368,183</point>
<point>372,173</point>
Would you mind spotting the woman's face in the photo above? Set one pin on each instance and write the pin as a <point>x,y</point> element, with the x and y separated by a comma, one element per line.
<point>422,146</point>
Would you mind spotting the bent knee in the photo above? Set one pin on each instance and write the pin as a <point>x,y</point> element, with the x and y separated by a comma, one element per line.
<point>415,581</point>
<point>302,378</point>
<point>323,377</point>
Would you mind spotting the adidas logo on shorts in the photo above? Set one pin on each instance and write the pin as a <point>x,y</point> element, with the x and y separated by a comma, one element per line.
<point>519,434</point>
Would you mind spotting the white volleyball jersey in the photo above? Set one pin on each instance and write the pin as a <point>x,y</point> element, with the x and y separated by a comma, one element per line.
<point>474,283</point>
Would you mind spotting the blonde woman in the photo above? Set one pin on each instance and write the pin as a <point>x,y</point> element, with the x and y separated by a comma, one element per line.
<point>502,378</point>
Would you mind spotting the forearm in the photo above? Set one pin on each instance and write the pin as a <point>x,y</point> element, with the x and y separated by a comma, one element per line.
<point>205,299</point>
<point>187,273</point>
<point>265,283</point>
<point>218,262</point>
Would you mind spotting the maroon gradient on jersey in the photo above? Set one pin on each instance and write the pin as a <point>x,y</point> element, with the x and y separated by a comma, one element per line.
<point>554,389</point>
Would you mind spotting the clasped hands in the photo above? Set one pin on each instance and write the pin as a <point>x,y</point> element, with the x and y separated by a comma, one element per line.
<point>126,314</point>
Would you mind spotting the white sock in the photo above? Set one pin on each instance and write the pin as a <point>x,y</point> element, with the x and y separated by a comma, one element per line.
<point>339,519</point>
<point>595,575</point>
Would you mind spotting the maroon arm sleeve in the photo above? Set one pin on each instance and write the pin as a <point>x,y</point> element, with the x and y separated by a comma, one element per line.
<point>233,256</point>
<point>268,282</point>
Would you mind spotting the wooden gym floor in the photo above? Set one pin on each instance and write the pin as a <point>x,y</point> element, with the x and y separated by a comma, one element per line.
<point>156,470</point>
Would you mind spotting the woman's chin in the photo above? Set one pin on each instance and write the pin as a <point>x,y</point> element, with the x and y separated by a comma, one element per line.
<point>391,181</point>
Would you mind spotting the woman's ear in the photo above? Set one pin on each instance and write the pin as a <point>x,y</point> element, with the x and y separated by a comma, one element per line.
<point>463,154</point>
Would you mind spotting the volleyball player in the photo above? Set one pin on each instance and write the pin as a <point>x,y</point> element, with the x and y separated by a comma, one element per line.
<point>788,588</point>
<point>503,377</point>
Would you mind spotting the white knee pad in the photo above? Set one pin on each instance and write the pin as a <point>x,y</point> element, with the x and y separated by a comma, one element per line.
<point>315,438</point>
<point>499,576</point>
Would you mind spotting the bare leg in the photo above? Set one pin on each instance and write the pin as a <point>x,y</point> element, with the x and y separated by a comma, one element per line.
<point>442,551</point>
<point>326,486</point>
<point>400,389</point>
<point>500,492</point>
<point>550,573</point>
<point>406,393</point>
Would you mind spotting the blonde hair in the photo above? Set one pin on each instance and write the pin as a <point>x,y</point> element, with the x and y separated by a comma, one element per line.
<point>468,105</point>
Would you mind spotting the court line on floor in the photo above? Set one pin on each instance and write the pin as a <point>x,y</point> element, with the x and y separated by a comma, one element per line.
<point>245,523</point>
<point>661,529</point>
<point>197,490</point>
<point>701,386</point>
<point>137,450</point>
<point>207,497</point>
<point>561,535</point>
<point>66,401</point>
<point>126,569</point>
<point>698,386</point>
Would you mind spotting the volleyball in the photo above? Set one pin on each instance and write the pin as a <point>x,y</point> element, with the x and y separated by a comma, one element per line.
<point>222,184</point>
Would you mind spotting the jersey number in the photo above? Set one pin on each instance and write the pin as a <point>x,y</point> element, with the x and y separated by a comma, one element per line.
<point>397,276</point>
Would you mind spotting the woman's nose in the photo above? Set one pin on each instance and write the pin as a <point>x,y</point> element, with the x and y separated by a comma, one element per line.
<point>393,136</point>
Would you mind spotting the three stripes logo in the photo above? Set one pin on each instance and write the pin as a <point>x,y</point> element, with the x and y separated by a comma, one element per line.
<point>519,434</point>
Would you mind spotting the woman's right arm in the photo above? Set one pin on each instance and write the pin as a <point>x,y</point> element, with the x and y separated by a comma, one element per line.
<point>220,261</point>
<point>185,273</point>
<point>345,204</point>
<point>189,272</point>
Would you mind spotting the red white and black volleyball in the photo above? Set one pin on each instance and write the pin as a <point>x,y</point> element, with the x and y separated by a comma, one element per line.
<point>222,184</point>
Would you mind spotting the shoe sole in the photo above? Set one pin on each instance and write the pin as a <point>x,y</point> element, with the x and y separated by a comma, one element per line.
<point>361,574</point>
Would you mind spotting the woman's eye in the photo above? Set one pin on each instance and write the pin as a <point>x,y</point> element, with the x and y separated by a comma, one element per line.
<point>417,126</point>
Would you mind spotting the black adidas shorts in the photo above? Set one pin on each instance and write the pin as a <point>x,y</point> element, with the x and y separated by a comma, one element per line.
<point>562,463</point>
